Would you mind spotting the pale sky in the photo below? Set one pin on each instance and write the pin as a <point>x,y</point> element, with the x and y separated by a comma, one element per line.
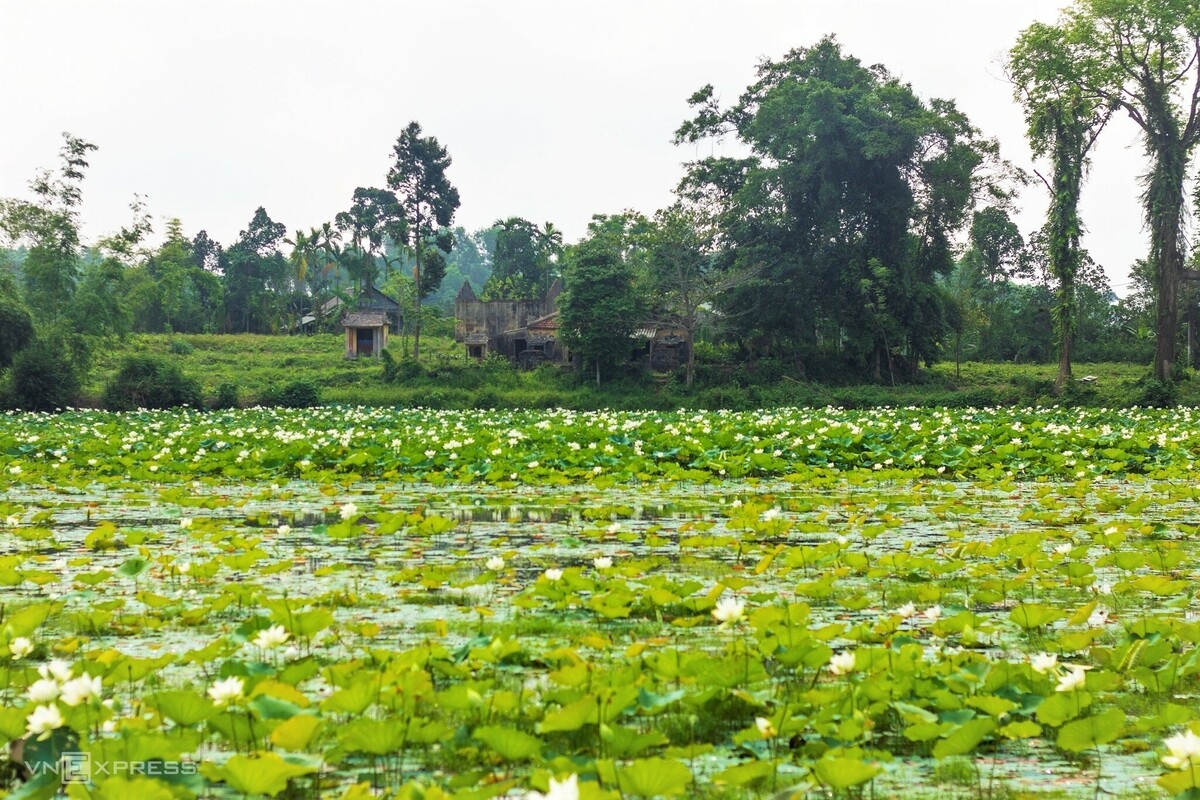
<point>552,110</point>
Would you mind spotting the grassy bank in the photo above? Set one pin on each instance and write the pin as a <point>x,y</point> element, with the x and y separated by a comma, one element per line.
<point>446,379</point>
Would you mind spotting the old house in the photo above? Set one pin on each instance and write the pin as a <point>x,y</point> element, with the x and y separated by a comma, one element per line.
<point>510,328</point>
<point>367,322</point>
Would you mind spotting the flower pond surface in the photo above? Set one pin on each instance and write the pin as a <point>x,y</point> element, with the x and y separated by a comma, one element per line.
<point>270,614</point>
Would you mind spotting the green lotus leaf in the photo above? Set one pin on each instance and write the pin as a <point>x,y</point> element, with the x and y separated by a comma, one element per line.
<point>508,743</point>
<point>183,707</point>
<point>650,777</point>
<point>257,774</point>
<point>1092,731</point>
<point>842,773</point>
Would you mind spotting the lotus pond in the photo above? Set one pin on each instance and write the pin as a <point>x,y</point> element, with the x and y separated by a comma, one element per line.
<point>356,603</point>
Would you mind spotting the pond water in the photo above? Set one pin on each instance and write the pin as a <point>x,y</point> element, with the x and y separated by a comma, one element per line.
<point>852,552</point>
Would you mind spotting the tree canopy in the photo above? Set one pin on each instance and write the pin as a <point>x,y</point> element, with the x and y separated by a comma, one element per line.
<point>849,203</point>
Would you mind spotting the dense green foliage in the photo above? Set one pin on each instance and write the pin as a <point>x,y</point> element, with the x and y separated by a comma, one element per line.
<point>44,378</point>
<point>854,191</point>
<point>294,394</point>
<point>523,261</point>
<point>601,307</point>
<point>146,381</point>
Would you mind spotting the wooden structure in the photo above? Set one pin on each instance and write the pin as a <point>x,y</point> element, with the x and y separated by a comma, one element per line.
<point>366,333</point>
<point>371,317</point>
<point>661,348</point>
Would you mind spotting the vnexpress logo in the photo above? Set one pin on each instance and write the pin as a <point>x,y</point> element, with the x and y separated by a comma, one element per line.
<point>71,767</point>
<point>74,767</point>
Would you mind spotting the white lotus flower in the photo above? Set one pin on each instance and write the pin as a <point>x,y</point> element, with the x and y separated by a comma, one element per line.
<point>185,522</point>
<point>45,690</point>
<point>933,613</point>
<point>78,691</point>
<point>1064,548</point>
<point>1043,662</point>
<point>1074,679</point>
<point>57,669</point>
<point>348,511</point>
<point>842,663</point>
<point>553,574</point>
<point>284,530</point>
<point>602,562</point>
<point>495,563</point>
<point>907,610</point>
<point>272,637</point>
<point>1183,750</point>
<point>20,647</point>
<point>227,691</point>
<point>765,727</point>
<point>566,789</point>
<point>729,610</point>
<point>43,721</point>
<point>770,514</point>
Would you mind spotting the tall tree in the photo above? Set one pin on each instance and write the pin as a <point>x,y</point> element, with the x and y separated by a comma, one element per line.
<point>523,260</point>
<point>852,195</point>
<point>1142,57</point>
<point>998,243</point>
<point>1063,123</point>
<point>256,275</point>
<point>16,325</point>
<point>49,225</point>
<point>375,216</point>
<point>600,305</point>
<point>429,201</point>
<point>685,279</point>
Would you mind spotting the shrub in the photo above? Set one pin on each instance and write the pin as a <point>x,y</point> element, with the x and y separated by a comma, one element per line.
<point>297,394</point>
<point>227,396</point>
<point>1157,394</point>
<point>151,382</point>
<point>181,347</point>
<point>43,378</point>
<point>399,371</point>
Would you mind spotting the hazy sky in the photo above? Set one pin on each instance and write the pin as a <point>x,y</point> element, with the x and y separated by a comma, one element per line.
<point>551,110</point>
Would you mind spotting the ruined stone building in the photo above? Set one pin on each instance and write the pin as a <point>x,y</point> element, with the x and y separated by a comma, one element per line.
<point>527,332</point>
<point>524,331</point>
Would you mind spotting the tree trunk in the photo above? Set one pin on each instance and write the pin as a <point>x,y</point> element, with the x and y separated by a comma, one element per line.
<point>1164,241</point>
<point>1191,334</point>
<point>418,240</point>
<point>1064,362</point>
<point>417,306</point>
<point>690,372</point>
<point>1164,211</point>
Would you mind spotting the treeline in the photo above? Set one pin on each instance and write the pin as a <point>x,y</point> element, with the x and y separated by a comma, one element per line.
<point>862,232</point>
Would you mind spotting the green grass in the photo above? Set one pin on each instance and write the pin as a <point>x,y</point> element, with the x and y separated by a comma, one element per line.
<point>447,379</point>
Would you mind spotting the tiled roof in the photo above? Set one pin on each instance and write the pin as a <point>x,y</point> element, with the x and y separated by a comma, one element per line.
<point>365,319</point>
